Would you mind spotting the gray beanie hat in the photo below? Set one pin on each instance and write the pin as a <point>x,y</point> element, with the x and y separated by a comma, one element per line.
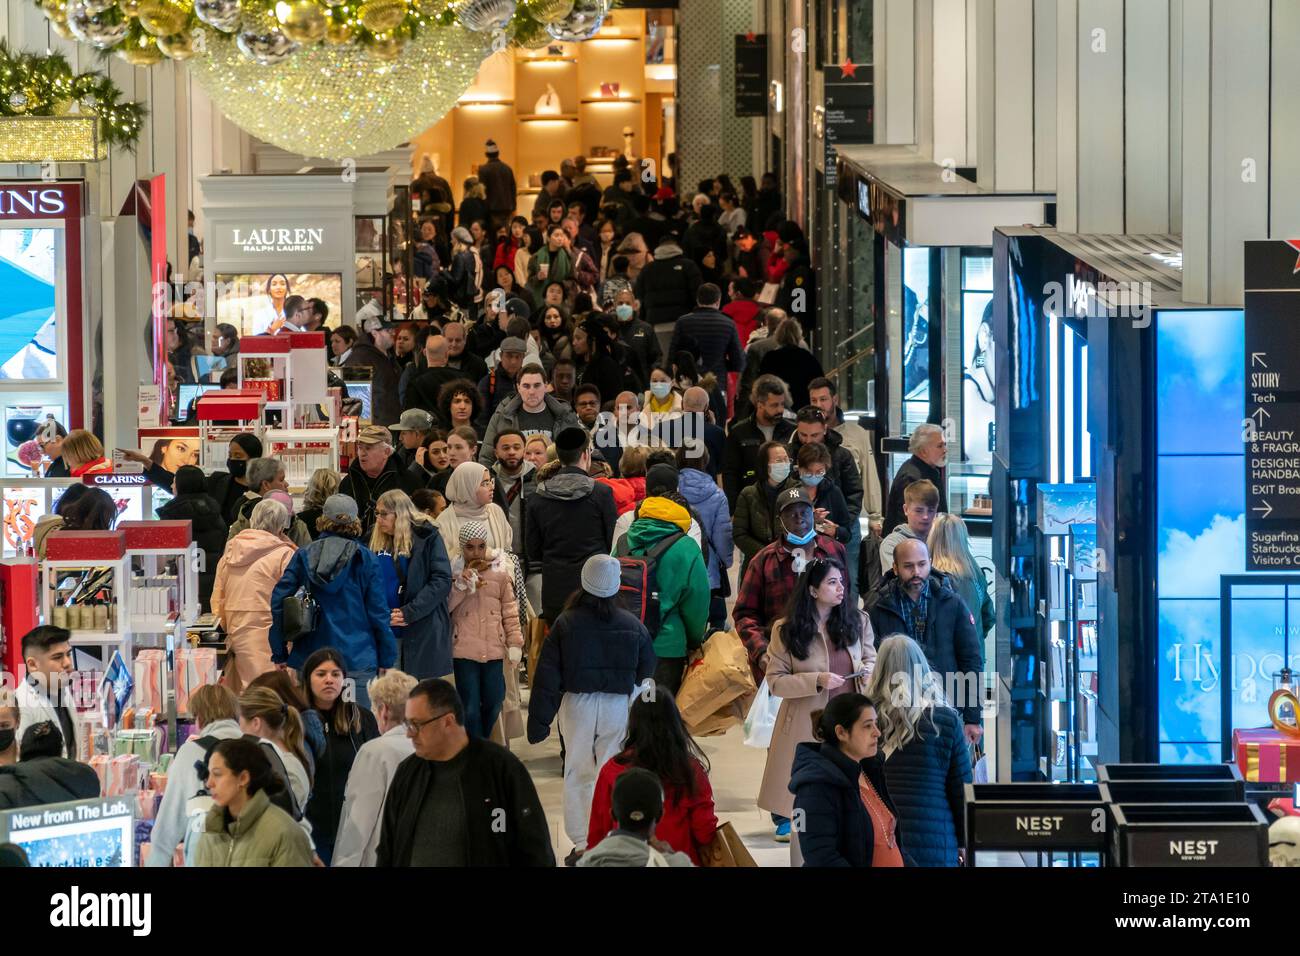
<point>339,506</point>
<point>601,575</point>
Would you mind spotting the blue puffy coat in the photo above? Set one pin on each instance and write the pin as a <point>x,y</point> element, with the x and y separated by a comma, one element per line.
<point>837,827</point>
<point>710,505</point>
<point>585,654</point>
<point>343,577</point>
<point>426,639</point>
<point>926,779</point>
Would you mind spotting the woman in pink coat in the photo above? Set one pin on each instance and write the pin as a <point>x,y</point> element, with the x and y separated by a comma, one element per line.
<point>484,626</point>
<point>248,572</point>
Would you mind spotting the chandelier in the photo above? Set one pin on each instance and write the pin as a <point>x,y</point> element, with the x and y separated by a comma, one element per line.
<point>326,78</point>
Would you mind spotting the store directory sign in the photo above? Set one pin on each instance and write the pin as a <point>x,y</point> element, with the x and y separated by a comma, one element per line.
<point>1271,430</point>
<point>751,74</point>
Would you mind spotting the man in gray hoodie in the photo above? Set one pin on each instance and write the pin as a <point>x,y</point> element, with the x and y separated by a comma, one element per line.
<point>638,804</point>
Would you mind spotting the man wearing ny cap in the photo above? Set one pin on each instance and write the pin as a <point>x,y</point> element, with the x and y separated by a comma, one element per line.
<point>384,403</point>
<point>770,578</point>
<point>530,411</point>
<point>570,518</point>
<point>499,383</point>
<point>412,428</point>
<point>374,471</point>
<point>498,181</point>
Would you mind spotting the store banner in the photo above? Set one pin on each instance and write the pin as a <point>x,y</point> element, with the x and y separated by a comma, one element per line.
<point>751,74</point>
<point>262,241</point>
<point>158,273</point>
<point>80,833</point>
<point>1271,430</point>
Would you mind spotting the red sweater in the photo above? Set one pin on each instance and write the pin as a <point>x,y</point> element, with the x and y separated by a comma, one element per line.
<point>627,495</point>
<point>688,822</point>
<point>744,312</point>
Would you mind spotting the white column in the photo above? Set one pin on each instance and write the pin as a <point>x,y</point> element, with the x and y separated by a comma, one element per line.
<point>1100,116</point>
<point>1005,64</point>
<point>950,120</point>
<point>1284,162</point>
<point>1146,112</point>
<point>895,77</point>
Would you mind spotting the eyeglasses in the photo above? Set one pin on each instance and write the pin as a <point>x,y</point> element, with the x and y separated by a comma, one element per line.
<point>415,726</point>
<point>486,482</point>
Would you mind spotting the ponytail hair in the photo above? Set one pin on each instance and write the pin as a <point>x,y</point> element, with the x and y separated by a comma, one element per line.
<point>842,711</point>
<point>243,756</point>
<point>281,717</point>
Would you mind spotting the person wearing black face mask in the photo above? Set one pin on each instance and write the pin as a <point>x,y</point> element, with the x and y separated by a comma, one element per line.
<point>8,736</point>
<point>227,487</point>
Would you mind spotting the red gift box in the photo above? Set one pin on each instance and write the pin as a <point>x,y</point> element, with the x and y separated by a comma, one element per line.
<point>157,535</point>
<point>230,405</point>
<point>272,388</point>
<point>307,340</point>
<point>85,545</point>
<point>251,345</point>
<point>1266,755</point>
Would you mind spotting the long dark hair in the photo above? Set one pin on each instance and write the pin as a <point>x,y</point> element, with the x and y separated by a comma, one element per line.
<point>657,739</point>
<point>94,510</point>
<point>842,711</point>
<point>604,607</point>
<point>344,717</point>
<point>843,626</point>
<point>242,755</point>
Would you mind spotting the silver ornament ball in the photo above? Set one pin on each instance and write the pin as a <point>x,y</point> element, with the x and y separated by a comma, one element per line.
<point>267,49</point>
<point>17,100</point>
<point>97,6</point>
<point>222,15</point>
<point>484,16</point>
<point>582,23</point>
<point>102,30</point>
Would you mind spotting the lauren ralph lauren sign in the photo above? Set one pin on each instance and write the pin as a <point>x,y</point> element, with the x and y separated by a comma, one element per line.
<point>256,240</point>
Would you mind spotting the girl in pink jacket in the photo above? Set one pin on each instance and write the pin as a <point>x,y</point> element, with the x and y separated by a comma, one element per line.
<point>485,626</point>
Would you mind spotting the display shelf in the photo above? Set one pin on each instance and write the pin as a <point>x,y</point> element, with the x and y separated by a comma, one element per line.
<point>531,60</point>
<point>631,101</point>
<point>547,117</point>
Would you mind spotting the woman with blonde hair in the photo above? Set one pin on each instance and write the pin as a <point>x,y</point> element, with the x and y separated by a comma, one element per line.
<point>247,573</point>
<point>416,575</point>
<point>323,483</point>
<point>950,553</point>
<point>264,715</point>
<point>83,453</point>
<point>927,764</point>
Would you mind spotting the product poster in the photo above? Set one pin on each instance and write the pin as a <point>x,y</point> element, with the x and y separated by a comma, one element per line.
<point>916,333</point>
<point>22,421</point>
<point>172,447</point>
<point>267,304</point>
<point>23,507</point>
<point>1064,507</point>
<point>97,832</point>
<point>28,327</point>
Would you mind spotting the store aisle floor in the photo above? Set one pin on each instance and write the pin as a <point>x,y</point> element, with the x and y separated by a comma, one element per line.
<point>735,774</point>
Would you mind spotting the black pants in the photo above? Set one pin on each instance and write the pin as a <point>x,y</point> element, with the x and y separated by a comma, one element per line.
<point>669,673</point>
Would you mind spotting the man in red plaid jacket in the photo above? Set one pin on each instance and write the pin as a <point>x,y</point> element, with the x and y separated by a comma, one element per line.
<point>770,578</point>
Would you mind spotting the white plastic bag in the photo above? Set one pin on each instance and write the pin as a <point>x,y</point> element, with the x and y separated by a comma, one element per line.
<point>761,718</point>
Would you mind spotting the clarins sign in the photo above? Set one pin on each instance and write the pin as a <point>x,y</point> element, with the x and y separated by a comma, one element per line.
<point>37,201</point>
<point>251,239</point>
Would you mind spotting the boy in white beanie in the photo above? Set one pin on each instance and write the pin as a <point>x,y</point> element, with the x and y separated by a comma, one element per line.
<point>595,656</point>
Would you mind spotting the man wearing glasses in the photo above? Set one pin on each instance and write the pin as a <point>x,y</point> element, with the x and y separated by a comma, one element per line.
<point>459,801</point>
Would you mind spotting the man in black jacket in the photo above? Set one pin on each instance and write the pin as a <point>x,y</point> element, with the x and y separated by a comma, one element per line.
<point>915,601</point>
<point>812,428</point>
<point>424,388</point>
<point>42,774</point>
<point>716,342</point>
<point>374,471</point>
<point>570,518</point>
<point>929,450</point>
<point>459,356</point>
<point>385,407</point>
<point>768,423</point>
<point>458,801</point>
<point>667,286</point>
<point>498,180</point>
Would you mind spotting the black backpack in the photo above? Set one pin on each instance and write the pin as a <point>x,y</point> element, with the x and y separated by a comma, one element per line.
<point>638,591</point>
<point>285,799</point>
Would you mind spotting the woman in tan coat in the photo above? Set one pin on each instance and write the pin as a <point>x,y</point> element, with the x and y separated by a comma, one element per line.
<point>248,572</point>
<point>823,647</point>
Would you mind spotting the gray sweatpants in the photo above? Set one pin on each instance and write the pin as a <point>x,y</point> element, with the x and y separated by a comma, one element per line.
<point>593,726</point>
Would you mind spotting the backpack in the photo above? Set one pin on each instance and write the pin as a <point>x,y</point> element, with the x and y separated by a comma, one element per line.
<point>638,591</point>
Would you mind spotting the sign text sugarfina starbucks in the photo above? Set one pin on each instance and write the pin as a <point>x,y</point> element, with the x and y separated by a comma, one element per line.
<point>265,239</point>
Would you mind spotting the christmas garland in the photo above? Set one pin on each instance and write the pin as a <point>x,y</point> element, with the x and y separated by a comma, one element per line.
<point>32,85</point>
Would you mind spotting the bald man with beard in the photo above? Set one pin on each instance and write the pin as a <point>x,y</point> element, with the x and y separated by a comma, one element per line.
<point>699,422</point>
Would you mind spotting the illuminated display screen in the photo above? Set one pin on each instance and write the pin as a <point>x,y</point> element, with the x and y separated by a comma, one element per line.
<point>28,325</point>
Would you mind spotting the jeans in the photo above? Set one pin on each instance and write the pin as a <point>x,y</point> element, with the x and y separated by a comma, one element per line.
<point>482,689</point>
<point>362,678</point>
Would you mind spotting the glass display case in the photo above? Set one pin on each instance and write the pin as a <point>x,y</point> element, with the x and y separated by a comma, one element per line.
<point>401,253</point>
<point>370,245</point>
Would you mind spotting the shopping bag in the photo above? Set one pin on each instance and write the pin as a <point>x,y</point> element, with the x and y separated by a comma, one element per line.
<point>726,849</point>
<point>761,718</point>
<point>719,676</point>
<point>718,723</point>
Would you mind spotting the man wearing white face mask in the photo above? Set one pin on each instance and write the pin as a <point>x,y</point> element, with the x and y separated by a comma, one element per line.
<point>633,331</point>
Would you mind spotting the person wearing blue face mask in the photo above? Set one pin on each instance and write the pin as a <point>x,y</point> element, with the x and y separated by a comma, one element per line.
<point>633,331</point>
<point>831,512</point>
<point>754,524</point>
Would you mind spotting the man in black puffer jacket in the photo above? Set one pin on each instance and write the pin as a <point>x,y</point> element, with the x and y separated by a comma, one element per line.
<point>570,518</point>
<point>666,288</point>
<point>374,471</point>
<point>913,600</point>
<point>42,775</point>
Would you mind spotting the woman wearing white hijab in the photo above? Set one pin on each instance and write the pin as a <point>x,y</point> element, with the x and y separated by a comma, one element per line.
<point>469,498</point>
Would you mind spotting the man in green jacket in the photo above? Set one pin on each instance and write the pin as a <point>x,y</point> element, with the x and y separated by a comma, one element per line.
<point>683,583</point>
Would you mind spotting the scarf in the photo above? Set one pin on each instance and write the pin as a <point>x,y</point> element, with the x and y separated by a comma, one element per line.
<point>462,491</point>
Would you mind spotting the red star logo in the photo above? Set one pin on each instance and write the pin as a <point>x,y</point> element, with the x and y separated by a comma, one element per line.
<point>848,69</point>
<point>1294,244</point>
<point>749,37</point>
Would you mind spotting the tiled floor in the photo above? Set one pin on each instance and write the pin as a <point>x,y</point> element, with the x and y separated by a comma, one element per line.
<point>735,773</point>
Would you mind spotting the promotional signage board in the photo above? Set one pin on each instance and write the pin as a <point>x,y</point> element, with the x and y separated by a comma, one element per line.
<point>751,74</point>
<point>1035,816</point>
<point>255,241</point>
<point>848,101</point>
<point>97,832</point>
<point>1272,428</point>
